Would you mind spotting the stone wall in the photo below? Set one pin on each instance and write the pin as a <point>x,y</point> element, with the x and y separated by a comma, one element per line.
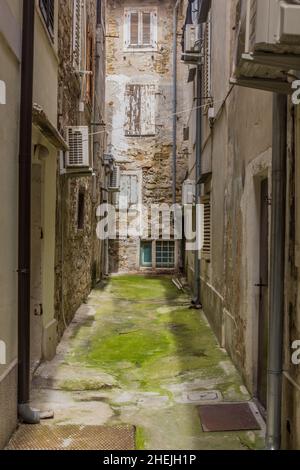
<point>78,262</point>
<point>150,154</point>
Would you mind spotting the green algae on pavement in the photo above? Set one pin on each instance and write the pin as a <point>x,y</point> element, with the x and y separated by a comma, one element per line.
<point>155,347</point>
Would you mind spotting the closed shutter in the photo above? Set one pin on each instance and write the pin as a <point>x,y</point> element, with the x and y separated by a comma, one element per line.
<point>134,28</point>
<point>129,188</point>
<point>146,28</point>
<point>206,250</point>
<point>148,110</point>
<point>77,12</point>
<point>207,65</point>
<point>140,110</point>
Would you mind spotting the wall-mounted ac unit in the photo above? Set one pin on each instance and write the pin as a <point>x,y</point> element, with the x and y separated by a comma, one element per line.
<point>114,184</point>
<point>188,192</point>
<point>267,43</point>
<point>191,38</point>
<point>78,141</point>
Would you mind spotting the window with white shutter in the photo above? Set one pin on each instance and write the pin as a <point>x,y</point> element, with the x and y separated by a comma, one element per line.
<point>140,29</point>
<point>206,83</point>
<point>140,110</point>
<point>206,249</point>
<point>77,33</point>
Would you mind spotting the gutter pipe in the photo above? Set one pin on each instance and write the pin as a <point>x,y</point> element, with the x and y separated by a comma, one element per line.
<point>174,156</point>
<point>276,313</point>
<point>26,414</point>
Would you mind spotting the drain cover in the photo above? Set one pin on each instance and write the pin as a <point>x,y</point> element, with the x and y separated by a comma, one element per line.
<point>200,396</point>
<point>227,417</point>
<point>70,437</point>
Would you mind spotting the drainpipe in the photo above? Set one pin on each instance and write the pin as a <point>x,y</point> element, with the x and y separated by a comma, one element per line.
<point>276,313</point>
<point>26,414</point>
<point>197,266</point>
<point>174,157</point>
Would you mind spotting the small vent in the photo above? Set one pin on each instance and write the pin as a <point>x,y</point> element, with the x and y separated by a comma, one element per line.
<point>78,140</point>
<point>115,179</point>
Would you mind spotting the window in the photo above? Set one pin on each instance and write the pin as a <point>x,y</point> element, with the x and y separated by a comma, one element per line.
<point>206,83</point>
<point>80,213</point>
<point>89,67</point>
<point>47,9</point>
<point>140,31</point>
<point>130,188</point>
<point>77,28</point>
<point>206,250</point>
<point>165,254</point>
<point>140,110</point>
<point>146,254</point>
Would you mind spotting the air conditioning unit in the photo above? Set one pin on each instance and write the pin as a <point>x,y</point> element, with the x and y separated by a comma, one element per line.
<point>267,43</point>
<point>188,192</point>
<point>115,179</point>
<point>191,38</point>
<point>78,141</point>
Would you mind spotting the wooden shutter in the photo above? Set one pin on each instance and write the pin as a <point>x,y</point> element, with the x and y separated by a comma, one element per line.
<point>153,30</point>
<point>77,33</point>
<point>148,110</point>
<point>207,69</point>
<point>146,21</point>
<point>129,188</point>
<point>140,110</point>
<point>90,67</point>
<point>134,28</point>
<point>133,110</point>
<point>206,250</point>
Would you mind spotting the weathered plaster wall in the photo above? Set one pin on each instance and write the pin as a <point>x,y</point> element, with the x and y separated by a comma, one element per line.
<point>150,154</point>
<point>77,250</point>
<point>9,119</point>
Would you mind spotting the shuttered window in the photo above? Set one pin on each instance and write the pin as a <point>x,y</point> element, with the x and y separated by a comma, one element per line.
<point>140,29</point>
<point>77,29</point>
<point>206,84</point>
<point>140,110</point>
<point>130,188</point>
<point>206,250</point>
<point>47,9</point>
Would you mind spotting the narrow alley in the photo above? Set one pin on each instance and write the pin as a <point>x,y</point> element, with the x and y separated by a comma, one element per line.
<point>135,354</point>
<point>150,227</point>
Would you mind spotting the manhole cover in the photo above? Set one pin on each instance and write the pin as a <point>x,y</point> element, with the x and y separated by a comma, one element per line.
<point>200,396</point>
<point>227,417</point>
<point>70,437</point>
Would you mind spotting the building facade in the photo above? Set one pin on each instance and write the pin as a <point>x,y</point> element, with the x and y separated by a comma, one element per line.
<point>81,100</point>
<point>10,58</point>
<point>236,277</point>
<point>140,105</point>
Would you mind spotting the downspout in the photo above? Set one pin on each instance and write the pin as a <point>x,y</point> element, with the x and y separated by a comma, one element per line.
<point>197,266</point>
<point>277,255</point>
<point>174,156</point>
<point>26,414</point>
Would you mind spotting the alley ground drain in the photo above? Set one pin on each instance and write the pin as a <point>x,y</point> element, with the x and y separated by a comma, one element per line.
<point>223,417</point>
<point>70,437</point>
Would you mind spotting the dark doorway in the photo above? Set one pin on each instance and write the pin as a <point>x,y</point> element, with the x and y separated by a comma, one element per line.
<point>263,297</point>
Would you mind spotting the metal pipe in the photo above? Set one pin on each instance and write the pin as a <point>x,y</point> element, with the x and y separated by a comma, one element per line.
<point>174,156</point>
<point>197,266</point>
<point>276,313</point>
<point>25,145</point>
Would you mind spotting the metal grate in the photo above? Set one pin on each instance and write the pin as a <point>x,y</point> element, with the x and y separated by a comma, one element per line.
<point>42,437</point>
<point>227,417</point>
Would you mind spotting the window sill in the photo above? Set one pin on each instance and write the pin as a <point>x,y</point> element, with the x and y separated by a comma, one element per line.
<point>140,49</point>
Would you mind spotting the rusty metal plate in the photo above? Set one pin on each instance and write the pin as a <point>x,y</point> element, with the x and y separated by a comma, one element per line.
<point>227,417</point>
<point>71,437</point>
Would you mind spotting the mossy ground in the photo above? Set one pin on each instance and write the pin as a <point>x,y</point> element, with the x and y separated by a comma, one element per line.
<point>154,348</point>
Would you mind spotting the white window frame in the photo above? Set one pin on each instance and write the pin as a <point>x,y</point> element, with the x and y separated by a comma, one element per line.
<point>153,30</point>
